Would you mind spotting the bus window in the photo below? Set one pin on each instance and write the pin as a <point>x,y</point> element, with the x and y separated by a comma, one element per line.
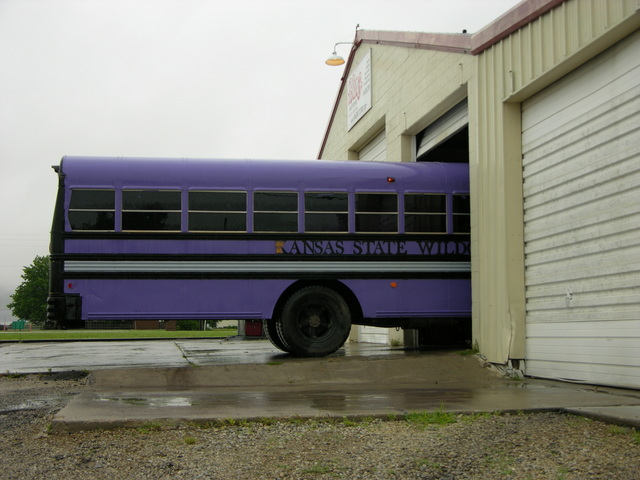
<point>461,213</point>
<point>92,209</point>
<point>275,212</point>
<point>217,211</point>
<point>151,210</point>
<point>376,213</point>
<point>326,212</point>
<point>425,213</point>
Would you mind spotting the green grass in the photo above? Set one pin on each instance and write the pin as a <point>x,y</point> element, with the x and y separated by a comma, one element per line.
<point>438,417</point>
<point>113,334</point>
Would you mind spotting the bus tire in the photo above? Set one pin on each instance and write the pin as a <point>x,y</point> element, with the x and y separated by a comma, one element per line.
<point>315,321</point>
<point>271,332</point>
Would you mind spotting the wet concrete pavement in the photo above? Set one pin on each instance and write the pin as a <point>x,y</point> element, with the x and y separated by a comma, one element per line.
<point>136,382</point>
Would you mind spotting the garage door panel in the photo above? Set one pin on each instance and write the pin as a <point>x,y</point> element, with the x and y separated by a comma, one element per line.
<point>615,328</point>
<point>592,136</point>
<point>573,252</point>
<point>588,314</point>
<point>616,102</point>
<point>606,198</point>
<point>619,375</point>
<point>592,158</point>
<point>605,354</point>
<point>580,300</point>
<point>620,284</point>
<point>605,266</point>
<point>581,171</point>
<point>544,236</point>
<point>603,77</point>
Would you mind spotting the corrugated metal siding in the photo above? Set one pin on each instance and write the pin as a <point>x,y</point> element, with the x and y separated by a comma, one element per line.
<point>582,218</point>
<point>536,49</point>
<point>509,72</point>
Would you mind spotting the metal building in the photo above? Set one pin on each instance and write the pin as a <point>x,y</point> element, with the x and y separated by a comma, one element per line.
<point>545,104</point>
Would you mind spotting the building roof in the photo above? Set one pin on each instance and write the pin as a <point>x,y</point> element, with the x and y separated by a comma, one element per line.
<point>472,44</point>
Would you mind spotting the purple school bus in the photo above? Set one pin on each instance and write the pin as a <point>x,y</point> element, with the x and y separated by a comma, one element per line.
<point>308,247</point>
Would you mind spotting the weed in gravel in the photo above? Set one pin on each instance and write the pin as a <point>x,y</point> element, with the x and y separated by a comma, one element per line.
<point>189,440</point>
<point>318,469</point>
<point>499,461</point>
<point>438,417</point>
<point>474,417</point>
<point>150,427</point>
<point>267,420</point>
<point>347,422</point>
<point>297,420</point>
<point>429,464</point>
<point>620,430</point>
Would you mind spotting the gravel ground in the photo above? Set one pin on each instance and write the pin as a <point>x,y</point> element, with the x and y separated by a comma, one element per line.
<point>526,446</point>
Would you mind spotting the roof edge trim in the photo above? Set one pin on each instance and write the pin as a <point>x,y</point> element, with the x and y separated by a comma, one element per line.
<point>447,42</point>
<point>509,22</point>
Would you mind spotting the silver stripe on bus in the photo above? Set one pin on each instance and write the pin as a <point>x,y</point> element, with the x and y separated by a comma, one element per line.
<point>76,266</point>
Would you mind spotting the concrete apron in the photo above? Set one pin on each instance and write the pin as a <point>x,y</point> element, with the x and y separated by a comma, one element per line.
<point>348,387</point>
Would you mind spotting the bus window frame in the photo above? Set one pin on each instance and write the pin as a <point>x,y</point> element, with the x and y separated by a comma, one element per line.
<point>124,211</point>
<point>398,210</point>
<point>112,210</point>
<point>444,214</point>
<point>189,210</point>
<point>295,212</point>
<point>348,212</point>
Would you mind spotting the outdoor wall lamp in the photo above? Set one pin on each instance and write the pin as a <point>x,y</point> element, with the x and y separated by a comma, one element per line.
<point>334,60</point>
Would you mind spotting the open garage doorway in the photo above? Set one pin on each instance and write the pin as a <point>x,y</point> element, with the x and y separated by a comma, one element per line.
<point>445,140</point>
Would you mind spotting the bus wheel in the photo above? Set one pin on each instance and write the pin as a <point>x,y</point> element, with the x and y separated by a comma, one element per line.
<point>271,332</point>
<point>315,321</point>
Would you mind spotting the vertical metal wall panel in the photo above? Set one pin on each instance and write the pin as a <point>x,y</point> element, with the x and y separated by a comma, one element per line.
<point>582,217</point>
<point>508,73</point>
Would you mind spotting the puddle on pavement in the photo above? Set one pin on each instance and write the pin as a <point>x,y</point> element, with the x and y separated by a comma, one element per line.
<point>150,401</point>
<point>328,401</point>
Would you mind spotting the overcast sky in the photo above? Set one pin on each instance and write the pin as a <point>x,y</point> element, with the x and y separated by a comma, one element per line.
<point>184,78</point>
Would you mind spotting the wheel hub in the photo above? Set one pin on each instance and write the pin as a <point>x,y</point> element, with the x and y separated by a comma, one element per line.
<point>314,321</point>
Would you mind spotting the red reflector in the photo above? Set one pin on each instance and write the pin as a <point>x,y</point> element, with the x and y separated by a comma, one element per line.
<point>391,180</point>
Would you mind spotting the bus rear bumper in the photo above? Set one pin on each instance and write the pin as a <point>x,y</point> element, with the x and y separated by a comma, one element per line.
<point>64,310</point>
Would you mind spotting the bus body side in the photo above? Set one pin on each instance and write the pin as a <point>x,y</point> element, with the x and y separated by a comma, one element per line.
<point>119,253</point>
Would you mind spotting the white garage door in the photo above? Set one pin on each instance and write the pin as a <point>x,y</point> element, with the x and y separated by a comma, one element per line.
<point>581,147</point>
<point>375,150</point>
<point>374,334</point>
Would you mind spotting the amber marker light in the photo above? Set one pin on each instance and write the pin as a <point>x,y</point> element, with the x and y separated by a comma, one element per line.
<point>393,284</point>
